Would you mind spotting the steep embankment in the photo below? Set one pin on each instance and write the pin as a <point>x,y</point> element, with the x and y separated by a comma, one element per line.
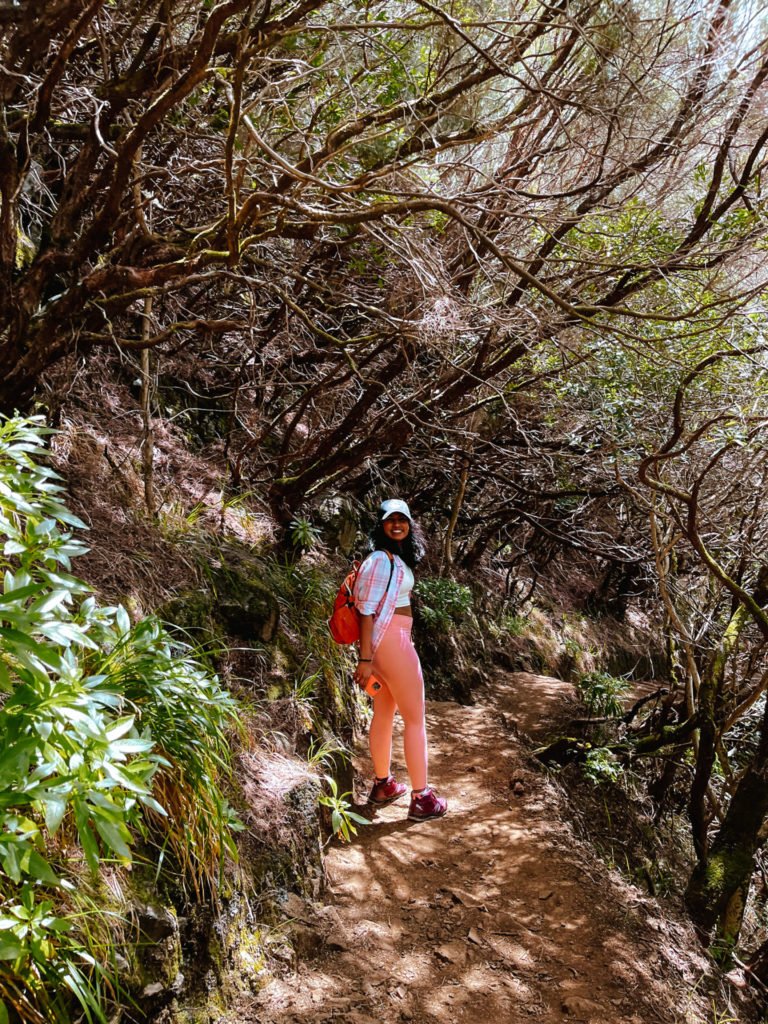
<point>496,913</point>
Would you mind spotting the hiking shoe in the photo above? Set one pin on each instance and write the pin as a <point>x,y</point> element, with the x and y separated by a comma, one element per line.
<point>427,805</point>
<point>386,792</point>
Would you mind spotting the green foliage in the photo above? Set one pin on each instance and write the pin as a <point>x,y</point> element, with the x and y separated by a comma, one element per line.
<point>443,603</point>
<point>323,753</point>
<point>304,689</point>
<point>343,820</point>
<point>602,693</point>
<point>601,766</point>
<point>110,732</point>
<point>305,593</point>
<point>507,626</point>
<point>303,534</point>
<point>302,590</point>
<point>514,625</point>
<point>722,1016</point>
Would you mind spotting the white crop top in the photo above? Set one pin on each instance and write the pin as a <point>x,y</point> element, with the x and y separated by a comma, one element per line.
<point>404,594</point>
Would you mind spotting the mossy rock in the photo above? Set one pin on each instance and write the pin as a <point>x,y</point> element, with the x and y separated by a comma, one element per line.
<point>245,606</point>
<point>341,525</point>
<point>234,606</point>
<point>225,947</point>
<point>190,612</point>
<point>644,665</point>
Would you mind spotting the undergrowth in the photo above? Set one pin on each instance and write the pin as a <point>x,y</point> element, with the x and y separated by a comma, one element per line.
<point>602,693</point>
<point>112,733</point>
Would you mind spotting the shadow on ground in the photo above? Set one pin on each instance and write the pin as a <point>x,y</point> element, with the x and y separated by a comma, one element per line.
<point>496,913</point>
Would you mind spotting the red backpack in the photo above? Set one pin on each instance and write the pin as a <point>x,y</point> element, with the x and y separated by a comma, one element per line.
<point>344,622</point>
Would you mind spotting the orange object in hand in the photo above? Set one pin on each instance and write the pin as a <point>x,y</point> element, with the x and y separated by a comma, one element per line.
<point>373,686</point>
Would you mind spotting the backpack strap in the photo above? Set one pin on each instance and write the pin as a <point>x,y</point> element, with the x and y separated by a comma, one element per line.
<point>391,558</point>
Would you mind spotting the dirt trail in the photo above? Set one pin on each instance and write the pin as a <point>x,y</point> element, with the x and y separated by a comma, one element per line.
<point>496,913</point>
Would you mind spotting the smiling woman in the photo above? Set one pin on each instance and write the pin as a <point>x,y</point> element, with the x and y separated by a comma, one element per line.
<point>387,655</point>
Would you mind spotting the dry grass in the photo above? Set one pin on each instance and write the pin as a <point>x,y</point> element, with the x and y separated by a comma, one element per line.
<point>267,778</point>
<point>133,558</point>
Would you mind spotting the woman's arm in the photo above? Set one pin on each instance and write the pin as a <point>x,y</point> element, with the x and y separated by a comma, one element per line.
<point>364,669</point>
<point>373,579</point>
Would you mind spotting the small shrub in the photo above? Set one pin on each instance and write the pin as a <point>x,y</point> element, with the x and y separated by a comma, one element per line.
<point>602,693</point>
<point>443,603</point>
<point>507,627</point>
<point>514,625</point>
<point>601,766</point>
<point>343,820</point>
<point>303,534</point>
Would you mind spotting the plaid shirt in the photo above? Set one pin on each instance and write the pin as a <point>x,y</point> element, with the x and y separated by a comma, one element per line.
<point>373,596</point>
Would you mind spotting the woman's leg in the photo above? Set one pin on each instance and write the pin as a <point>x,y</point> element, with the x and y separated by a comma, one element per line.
<point>380,733</point>
<point>397,662</point>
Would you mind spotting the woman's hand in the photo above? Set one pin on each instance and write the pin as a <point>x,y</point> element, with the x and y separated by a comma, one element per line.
<point>363,673</point>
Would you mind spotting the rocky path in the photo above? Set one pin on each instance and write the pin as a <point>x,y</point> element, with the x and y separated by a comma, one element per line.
<point>496,913</point>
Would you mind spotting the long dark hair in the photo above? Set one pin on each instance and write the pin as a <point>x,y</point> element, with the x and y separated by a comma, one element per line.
<point>411,550</point>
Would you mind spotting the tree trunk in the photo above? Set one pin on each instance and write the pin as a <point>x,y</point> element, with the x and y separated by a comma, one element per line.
<point>709,731</point>
<point>148,436</point>
<point>718,887</point>
<point>458,501</point>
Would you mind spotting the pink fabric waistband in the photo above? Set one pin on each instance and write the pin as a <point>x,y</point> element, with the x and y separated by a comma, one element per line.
<point>402,623</point>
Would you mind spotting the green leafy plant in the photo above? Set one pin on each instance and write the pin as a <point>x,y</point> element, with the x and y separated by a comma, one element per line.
<point>303,534</point>
<point>602,693</point>
<point>507,626</point>
<point>514,624</point>
<point>110,731</point>
<point>722,1016</point>
<point>305,594</point>
<point>343,820</point>
<point>601,766</point>
<point>442,602</point>
<point>304,689</point>
<point>323,753</point>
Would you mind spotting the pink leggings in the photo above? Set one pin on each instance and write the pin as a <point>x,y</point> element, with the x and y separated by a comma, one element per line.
<point>396,663</point>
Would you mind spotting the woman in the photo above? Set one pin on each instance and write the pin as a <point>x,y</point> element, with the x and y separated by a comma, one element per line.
<point>383,599</point>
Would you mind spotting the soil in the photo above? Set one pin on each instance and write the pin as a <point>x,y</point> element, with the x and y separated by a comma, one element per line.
<point>495,913</point>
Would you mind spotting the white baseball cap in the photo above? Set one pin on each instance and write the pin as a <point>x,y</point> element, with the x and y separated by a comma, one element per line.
<point>392,505</point>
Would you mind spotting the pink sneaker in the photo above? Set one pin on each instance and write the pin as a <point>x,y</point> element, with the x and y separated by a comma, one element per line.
<point>427,805</point>
<point>386,792</point>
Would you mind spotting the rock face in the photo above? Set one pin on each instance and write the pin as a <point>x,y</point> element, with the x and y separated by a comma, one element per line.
<point>237,605</point>
<point>154,979</point>
<point>246,607</point>
<point>227,959</point>
<point>155,923</point>
<point>196,959</point>
<point>193,962</point>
